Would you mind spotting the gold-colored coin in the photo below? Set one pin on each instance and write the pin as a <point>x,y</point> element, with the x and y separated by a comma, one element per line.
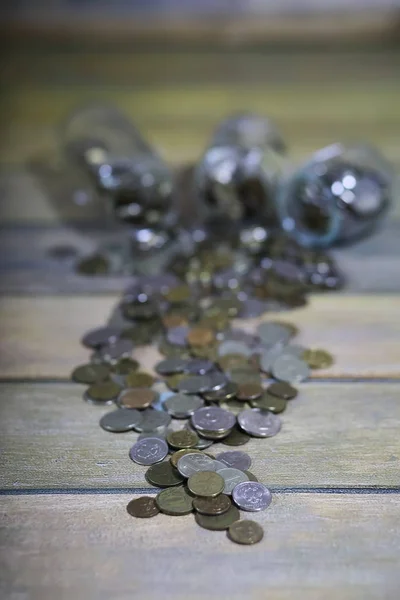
<point>143,507</point>
<point>245,532</point>
<point>174,501</point>
<point>269,402</point>
<point>182,439</point>
<point>212,506</point>
<point>201,336</point>
<point>138,379</point>
<point>206,483</point>
<point>178,294</point>
<point>317,359</point>
<point>139,398</point>
<point>163,474</point>
<point>179,453</point>
<point>209,352</point>
<point>218,522</point>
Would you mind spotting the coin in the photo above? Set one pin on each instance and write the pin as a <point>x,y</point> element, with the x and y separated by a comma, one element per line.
<point>259,423</point>
<point>245,532</point>
<point>269,356</point>
<point>116,350</point>
<point>139,398</point>
<point>205,483</point>
<point>182,406</point>
<point>194,463</point>
<point>251,496</point>
<point>103,392</point>
<point>251,476</point>
<point>290,369</point>
<point>231,478</point>
<point>229,361</point>
<point>224,393</point>
<point>152,420</point>
<point>100,337</point>
<point>218,522</point>
<point>182,439</point>
<point>249,391</point>
<point>236,459</point>
<point>213,418</point>
<point>274,333</point>
<point>171,366</point>
<point>237,437</point>
<point>269,402</point>
<point>194,385</point>
<point>218,381</point>
<point>143,507</point>
<point>200,336</point>
<point>178,294</point>
<point>177,335</point>
<point>90,373</point>
<point>139,379</point>
<point>148,451</point>
<point>232,347</point>
<point>174,501</point>
<point>120,420</point>
<point>212,506</point>
<point>282,389</point>
<point>317,359</point>
<point>173,381</point>
<point>203,443</point>
<point>125,366</point>
<point>198,366</point>
<point>174,319</point>
<point>179,453</point>
<point>163,474</point>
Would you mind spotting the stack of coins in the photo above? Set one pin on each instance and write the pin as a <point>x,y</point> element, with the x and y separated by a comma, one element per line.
<point>215,384</point>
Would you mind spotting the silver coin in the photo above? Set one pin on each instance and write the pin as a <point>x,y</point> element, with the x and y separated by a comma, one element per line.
<point>290,369</point>
<point>251,496</point>
<point>218,381</point>
<point>149,451</point>
<point>194,385</point>
<point>274,333</point>
<point>192,463</point>
<point>213,418</point>
<point>171,366</point>
<point>218,465</point>
<point>259,423</point>
<point>233,347</point>
<point>198,366</point>
<point>238,335</point>
<point>152,420</point>
<point>269,355</point>
<point>231,477</point>
<point>100,337</point>
<point>121,420</point>
<point>182,406</point>
<point>116,350</point>
<point>236,459</point>
<point>177,335</point>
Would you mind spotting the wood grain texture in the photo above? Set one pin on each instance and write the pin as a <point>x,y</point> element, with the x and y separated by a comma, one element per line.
<point>89,548</point>
<point>333,435</point>
<point>40,336</point>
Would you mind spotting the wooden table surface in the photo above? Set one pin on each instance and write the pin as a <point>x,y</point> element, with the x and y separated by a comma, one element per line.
<point>332,530</point>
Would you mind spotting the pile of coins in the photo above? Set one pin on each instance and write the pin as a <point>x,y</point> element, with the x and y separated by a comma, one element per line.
<point>213,385</point>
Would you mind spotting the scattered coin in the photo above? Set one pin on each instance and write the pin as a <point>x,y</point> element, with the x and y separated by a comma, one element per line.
<point>269,402</point>
<point>163,474</point>
<point>282,389</point>
<point>171,366</point>
<point>251,496</point>
<point>218,522</point>
<point>100,337</point>
<point>200,336</point>
<point>274,333</point>
<point>119,421</point>
<point>90,373</point>
<point>259,423</point>
<point>104,392</point>
<point>251,476</point>
<point>174,501</point>
<point>125,366</point>
<point>212,506</point>
<point>196,384</point>
<point>182,439</point>
<point>317,359</point>
<point>149,451</point>
<point>116,350</point>
<point>230,347</point>
<point>194,463</point>
<point>143,507</point>
<point>213,418</point>
<point>139,379</point>
<point>198,366</point>
<point>152,420</point>
<point>231,478</point>
<point>139,398</point>
<point>174,458</point>
<point>237,437</point>
<point>205,483</point>
<point>182,406</point>
<point>236,459</point>
<point>245,532</point>
<point>249,391</point>
<point>290,369</point>
<point>226,392</point>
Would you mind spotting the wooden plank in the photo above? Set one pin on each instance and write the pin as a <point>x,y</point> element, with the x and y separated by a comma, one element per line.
<point>40,336</point>
<point>51,440</point>
<point>27,266</point>
<point>315,546</point>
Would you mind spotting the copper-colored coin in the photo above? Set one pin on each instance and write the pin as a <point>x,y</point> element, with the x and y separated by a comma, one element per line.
<point>200,336</point>
<point>281,389</point>
<point>182,439</point>
<point>245,532</point>
<point>212,506</point>
<point>317,359</point>
<point>249,391</point>
<point>179,453</point>
<point>171,320</point>
<point>143,507</point>
<point>139,398</point>
<point>139,379</point>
